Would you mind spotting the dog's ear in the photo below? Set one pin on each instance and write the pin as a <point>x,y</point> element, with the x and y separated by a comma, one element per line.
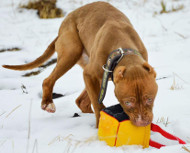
<point>119,73</point>
<point>149,68</point>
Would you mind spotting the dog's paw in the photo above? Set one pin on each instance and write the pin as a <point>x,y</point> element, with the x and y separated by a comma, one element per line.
<point>50,108</point>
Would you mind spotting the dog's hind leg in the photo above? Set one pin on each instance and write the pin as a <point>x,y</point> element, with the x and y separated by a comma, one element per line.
<point>69,50</point>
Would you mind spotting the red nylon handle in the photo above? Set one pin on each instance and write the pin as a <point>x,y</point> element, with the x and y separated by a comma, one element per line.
<point>156,128</point>
<point>155,144</point>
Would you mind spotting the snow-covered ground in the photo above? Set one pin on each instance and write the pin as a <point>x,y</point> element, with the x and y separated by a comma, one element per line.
<point>25,128</point>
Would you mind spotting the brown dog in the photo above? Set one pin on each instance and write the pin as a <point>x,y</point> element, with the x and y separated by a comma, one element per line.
<point>87,36</point>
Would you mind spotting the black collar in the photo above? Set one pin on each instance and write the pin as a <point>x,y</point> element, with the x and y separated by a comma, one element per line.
<point>112,61</point>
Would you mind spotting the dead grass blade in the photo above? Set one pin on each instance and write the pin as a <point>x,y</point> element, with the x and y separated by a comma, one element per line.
<point>68,148</point>
<point>13,145</point>
<point>2,143</point>
<point>181,78</point>
<point>179,34</point>
<point>13,111</point>
<point>186,149</point>
<point>35,146</point>
<point>2,113</point>
<point>59,139</point>
<point>29,127</point>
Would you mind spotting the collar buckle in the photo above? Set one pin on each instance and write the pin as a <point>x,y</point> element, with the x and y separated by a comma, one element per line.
<point>122,54</point>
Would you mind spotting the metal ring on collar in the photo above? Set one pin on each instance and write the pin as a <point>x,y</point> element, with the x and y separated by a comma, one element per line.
<point>103,67</point>
<point>122,54</point>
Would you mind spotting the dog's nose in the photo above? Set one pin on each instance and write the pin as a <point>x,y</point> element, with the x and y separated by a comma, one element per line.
<point>140,122</point>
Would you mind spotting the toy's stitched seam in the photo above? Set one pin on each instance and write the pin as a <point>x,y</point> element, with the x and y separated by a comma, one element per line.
<point>117,134</point>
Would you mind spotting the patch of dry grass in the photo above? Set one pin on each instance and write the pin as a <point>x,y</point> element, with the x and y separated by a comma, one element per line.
<point>72,143</point>
<point>163,121</point>
<point>165,10</point>
<point>175,85</point>
<point>173,9</point>
<point>45,8</point>
<point>41,68</point>
<point>10,49</point>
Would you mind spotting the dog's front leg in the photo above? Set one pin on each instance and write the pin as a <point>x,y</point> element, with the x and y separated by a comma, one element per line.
<point>93,88</point>
<point>83,102</point>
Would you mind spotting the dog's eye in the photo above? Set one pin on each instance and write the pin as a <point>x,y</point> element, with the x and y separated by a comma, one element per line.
<point>149,101</point>
<point>127,103</point>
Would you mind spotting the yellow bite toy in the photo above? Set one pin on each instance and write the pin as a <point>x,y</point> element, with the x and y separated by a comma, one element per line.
<point>116,129</point>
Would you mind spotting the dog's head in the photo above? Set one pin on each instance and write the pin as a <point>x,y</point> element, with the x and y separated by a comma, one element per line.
<point>136,89</point>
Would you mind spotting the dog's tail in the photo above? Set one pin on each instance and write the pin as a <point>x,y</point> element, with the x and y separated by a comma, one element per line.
<point>38,62</point>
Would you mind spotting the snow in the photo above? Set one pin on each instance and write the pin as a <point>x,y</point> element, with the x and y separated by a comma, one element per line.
<point>25,128</point>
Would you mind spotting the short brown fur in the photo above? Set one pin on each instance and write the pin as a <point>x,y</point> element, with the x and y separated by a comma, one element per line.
<point>87,36</point>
